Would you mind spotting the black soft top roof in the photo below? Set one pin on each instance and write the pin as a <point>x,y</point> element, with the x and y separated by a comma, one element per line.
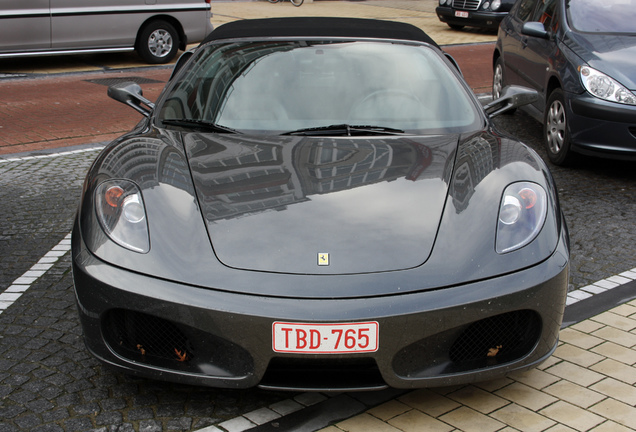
<point>319,27</point>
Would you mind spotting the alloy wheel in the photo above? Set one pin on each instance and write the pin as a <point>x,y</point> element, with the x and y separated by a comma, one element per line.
<point>497,81</point>
<point>556,127</point>
<point>160,43</point>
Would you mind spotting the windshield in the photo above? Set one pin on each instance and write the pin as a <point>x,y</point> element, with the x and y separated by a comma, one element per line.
<point>276,87</point>
<point>603,16</point>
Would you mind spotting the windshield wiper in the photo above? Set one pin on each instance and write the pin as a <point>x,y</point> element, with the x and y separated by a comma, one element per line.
<point>201,124</point>
<point>347,130</point>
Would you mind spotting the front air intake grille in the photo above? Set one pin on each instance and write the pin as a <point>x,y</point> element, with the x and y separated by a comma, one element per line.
<point>140,335</point>
<point>466,4</point>
<point>499,339</point>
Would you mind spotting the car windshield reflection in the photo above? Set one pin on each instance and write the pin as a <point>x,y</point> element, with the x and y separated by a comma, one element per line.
<point>607,16</point>
<point>278,86</point>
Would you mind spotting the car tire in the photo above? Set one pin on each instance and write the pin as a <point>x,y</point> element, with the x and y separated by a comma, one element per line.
<point>497,78</point>
<point>555,129</point>
<point>158,42</point>
<point>498,82</point>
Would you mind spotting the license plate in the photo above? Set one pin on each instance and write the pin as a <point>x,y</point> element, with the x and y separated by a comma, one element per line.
<point>325,338</point>
<point>461,14</point>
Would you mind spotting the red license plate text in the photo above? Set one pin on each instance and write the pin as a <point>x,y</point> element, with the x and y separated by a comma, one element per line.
<point>325,338</point>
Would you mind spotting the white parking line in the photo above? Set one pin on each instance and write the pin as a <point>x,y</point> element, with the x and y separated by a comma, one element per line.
<point>600,286</point>
<point>24,282</point>
<point>50,155</point>
<point>265,415</point>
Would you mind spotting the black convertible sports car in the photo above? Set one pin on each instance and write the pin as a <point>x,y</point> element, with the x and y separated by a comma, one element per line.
<point>320,204</point>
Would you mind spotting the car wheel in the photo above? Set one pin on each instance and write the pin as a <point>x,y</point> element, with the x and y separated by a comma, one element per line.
<point>158,42</point>
<point>498,79</point>
<point>555,129</point>
<point>456,27</point>
<point>498,82</point>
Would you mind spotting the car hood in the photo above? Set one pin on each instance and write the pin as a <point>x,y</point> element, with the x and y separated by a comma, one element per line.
<point>316,205</point>
<point>611,54</point>
<point>376,204</point>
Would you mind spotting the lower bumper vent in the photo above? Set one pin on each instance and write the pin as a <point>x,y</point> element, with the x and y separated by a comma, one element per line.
<point>497,339</point>
<point>141,335</point>
<point>479,345</point>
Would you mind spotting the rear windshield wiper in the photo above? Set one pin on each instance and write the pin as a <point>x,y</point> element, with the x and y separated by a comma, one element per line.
<point>200,124</point>
<point>347,130</point>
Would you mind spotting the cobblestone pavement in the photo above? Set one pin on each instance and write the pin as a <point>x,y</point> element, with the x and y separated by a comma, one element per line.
<point>39,198</point>
<point>48,380</point>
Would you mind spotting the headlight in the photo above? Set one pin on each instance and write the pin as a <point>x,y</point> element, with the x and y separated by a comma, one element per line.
<point>486,5</point>
<point>522,212</point>
<point>443,2</point>
<point>604,87</point>
<point>121,214</point>
<point>495,5</point>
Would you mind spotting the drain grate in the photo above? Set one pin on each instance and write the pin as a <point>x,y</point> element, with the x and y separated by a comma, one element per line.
<point>110,81</point>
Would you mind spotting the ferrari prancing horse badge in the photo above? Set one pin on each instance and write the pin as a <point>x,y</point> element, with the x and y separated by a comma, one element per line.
<point>323,259</point>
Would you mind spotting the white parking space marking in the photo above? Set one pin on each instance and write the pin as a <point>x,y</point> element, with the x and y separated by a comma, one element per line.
<point>24,282</point>
<point>600,286</point>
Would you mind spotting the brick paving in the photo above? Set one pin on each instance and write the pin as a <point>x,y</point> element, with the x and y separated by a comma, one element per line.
<point>587,385</point>
<point>60,111</point>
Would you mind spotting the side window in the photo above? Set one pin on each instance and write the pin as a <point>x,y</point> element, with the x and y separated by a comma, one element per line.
<point>545,13</point>
<point>524,9</point>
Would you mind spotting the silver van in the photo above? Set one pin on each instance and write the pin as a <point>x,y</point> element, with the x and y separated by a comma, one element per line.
<point>155,28</point>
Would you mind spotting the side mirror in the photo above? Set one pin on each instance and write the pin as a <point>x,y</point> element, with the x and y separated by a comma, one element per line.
<point>535,29</point>
<point>512,97</point>
<point>130,94</point>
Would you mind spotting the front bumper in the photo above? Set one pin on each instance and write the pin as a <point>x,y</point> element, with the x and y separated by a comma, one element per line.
<point>224,339</point>
<point>601,128</point>
<point>483,19</point>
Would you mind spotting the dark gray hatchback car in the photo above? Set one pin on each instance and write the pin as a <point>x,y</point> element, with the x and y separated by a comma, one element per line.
<point>581,57</point>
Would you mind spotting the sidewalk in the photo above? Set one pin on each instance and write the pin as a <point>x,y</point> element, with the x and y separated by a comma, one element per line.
<point>587,385</point>
<point>62,101</point>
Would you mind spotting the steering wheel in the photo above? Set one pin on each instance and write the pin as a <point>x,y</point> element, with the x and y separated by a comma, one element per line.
<point>386,99</point>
